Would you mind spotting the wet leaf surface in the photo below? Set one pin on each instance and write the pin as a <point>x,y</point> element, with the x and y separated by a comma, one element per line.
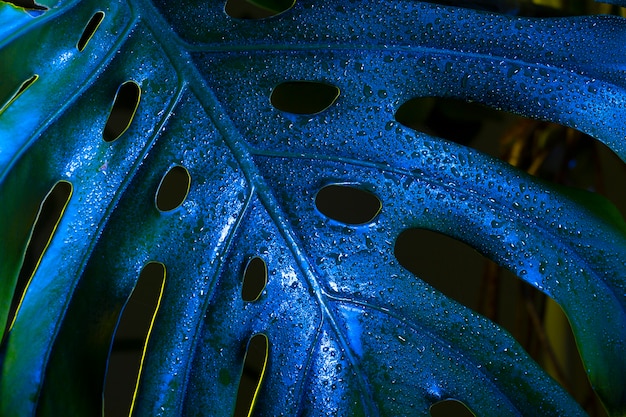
<point>349,331</point>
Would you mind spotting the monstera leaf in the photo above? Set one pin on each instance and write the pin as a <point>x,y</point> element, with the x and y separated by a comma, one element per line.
<point>340,326</point>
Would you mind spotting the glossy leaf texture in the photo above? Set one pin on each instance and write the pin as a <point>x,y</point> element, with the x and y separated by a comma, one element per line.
<point>349,331</point>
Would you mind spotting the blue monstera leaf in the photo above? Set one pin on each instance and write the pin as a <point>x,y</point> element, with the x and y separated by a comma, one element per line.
<point>343,329</point>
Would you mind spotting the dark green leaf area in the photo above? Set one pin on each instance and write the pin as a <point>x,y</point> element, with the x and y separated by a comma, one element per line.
<point>111,273</point>
<point>73,149</point>
<point>71,144</point>
<point>17,232</point>
<point>49,50</point>
<point>50,213</point>
<point>11,19</point>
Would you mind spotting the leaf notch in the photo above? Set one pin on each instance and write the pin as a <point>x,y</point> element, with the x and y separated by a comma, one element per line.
<point>130,340</point>
<point>90,30</point>
<point>254,366</point>
<point>173,189</point>
<point>22,88</point>
<point>48,218</point>
<point>254,279</point>
<point>123,110</point>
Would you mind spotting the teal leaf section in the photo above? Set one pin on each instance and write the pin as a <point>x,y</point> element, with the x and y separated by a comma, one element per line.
<point>350,331</point>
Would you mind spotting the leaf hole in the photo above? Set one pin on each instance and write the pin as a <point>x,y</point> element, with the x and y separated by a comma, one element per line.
<point>48,218</point>
<point>536,321</point>
<point>123,110</point>
<point>450,408</point>
<point>30,6</point>
<point>254,279</point>
<point>550,151</point>
<point>254,365</point>
<point>455,120</point>
<point>130,341</point>
<point>257,9</point>
<point>173,189</point>
<point>22,88</point>
<point>89,30</point>
<point>348,204</point>
<point>303,97</point>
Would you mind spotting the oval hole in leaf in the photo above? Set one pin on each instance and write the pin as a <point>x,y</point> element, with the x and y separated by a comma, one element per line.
<point>464,275</point>
<point>130,341</point>
<point>22,88</point>
<point>550,151</point>
<point>89,30</point>
<point>48,218</point>
<point>257,9</point>
<point>303,97</point>
<point>173,188</point>
<point>254,279</point>
<point>254,364</point>
<point>124,107</point>
<point>348,204</point>
<point>450,408</point>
